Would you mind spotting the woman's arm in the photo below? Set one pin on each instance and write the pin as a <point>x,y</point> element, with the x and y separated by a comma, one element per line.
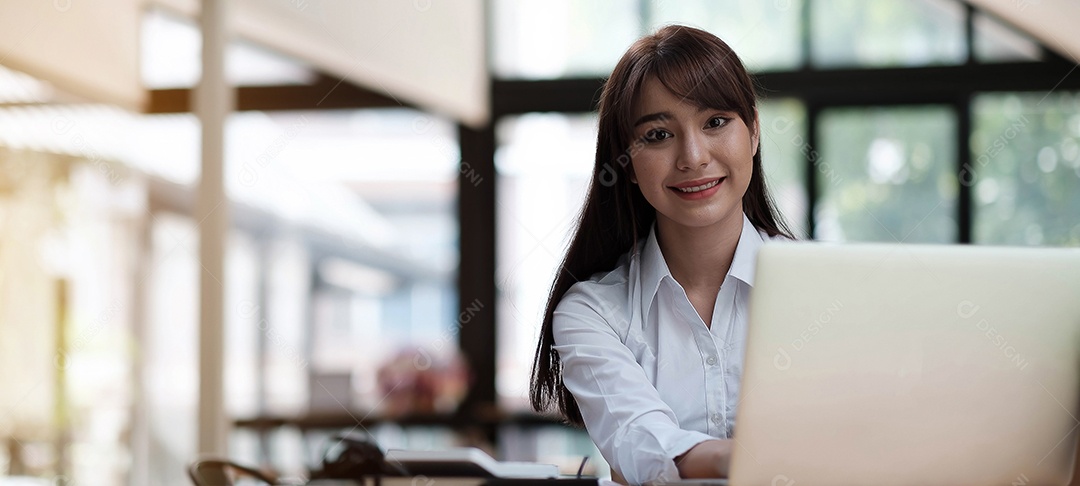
<point>708,459</point>
<point>634,428</point>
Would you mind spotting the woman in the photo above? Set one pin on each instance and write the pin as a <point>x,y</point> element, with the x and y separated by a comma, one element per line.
<point>642,340</point>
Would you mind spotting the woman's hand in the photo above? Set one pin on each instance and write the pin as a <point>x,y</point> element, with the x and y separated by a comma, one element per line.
<point>708,459</point>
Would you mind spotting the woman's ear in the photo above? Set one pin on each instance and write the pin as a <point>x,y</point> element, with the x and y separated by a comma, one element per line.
<point>630,173</point>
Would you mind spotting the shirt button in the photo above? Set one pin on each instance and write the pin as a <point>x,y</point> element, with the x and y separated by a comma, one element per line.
<point>716,419</point>
<point>711,361</point>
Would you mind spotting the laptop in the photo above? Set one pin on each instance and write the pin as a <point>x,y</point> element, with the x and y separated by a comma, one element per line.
<point>910,364</point>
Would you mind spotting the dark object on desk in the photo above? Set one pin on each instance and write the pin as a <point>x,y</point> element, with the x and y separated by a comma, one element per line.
<point>354,455</point>
<point>215,472</point>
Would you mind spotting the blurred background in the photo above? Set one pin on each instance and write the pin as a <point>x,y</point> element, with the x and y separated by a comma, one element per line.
<point>400,179</point>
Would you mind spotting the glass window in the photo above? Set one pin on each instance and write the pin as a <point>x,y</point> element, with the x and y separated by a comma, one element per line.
<point>172,348</point>
<point>1025,169</point>
<point>560,38</point>
<point>887,174</point>
<point>345,237</point>
<point>170,57</point>
<point>887,32</point>
<point>540,157</point>
<point>784,150</point>
<point>377,187</point>
<point>997,42</point>
<point>68,276</point>
<point>765,35</point>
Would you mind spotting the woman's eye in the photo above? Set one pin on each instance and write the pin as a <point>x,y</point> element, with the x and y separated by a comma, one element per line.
<point>656,135</point>
<point>716,121</point>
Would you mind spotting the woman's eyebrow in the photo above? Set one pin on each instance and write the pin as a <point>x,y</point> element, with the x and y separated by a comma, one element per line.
<point>663,115</point>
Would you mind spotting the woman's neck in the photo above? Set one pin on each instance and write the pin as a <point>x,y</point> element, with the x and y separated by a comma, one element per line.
<point>699,257</point>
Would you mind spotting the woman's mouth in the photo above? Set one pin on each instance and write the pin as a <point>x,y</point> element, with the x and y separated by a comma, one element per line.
<point>698,191</point>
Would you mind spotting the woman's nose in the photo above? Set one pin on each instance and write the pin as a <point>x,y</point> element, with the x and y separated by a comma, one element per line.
<point>694,152</point>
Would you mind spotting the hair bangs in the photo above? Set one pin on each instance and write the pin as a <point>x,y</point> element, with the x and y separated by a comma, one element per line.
<point>709,81</point>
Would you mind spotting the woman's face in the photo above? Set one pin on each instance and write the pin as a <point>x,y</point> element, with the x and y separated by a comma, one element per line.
<point>692,164</point>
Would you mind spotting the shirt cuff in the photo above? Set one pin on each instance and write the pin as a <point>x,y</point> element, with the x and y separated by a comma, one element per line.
<point>687,442</point>
<point>647,449</point>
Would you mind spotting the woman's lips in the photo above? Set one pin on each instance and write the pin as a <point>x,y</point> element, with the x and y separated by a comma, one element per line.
<point>699,191</point>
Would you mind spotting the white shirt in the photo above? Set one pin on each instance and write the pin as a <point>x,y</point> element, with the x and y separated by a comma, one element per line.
<point>651,379</point>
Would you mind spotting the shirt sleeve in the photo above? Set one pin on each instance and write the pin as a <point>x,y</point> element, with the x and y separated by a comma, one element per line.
<point>635,430</point>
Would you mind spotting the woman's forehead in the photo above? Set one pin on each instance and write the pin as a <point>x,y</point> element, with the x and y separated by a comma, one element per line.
<point>654,96</point>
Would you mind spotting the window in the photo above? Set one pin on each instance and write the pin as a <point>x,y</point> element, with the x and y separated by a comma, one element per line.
<point>544,164</point>
<point>766,35</point>
<point>857,33</point>
<point>170,57</point>
<point>1025,169</point>
<point>544,40</point>
<point>887,175</point>
<point>997,42</point>
<point>784,148</point>
<point>560,38</point>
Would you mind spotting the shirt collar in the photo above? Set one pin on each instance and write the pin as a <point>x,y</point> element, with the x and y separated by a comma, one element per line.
<point>745,261</point>
<point>654,268</point>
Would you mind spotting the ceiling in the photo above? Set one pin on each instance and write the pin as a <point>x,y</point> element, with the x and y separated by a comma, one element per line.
<point>427,53</point>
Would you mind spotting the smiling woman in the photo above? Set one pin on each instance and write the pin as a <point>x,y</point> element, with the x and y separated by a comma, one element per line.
<point>642,339</point>
<point>713,154</point>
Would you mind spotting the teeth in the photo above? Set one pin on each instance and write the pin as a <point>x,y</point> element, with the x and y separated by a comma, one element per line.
<point>699,188</point>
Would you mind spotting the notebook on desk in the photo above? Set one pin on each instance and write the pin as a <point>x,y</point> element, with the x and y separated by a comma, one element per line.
<point>467,462</point>
<point>453,481</point>
<point>910,364</point>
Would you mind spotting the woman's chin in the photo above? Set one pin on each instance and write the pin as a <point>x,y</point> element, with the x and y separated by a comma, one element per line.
<point>702,218</point>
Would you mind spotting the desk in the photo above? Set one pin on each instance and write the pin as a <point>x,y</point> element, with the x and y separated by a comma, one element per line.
<point>503,424</point>
<point>345,420</point>
<point>426,481</point>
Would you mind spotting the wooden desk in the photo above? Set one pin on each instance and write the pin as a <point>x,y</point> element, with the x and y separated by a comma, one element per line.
<point>478,428</point>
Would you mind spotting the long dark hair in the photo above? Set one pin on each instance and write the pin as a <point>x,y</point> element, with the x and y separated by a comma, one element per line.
<point>694,65</point>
